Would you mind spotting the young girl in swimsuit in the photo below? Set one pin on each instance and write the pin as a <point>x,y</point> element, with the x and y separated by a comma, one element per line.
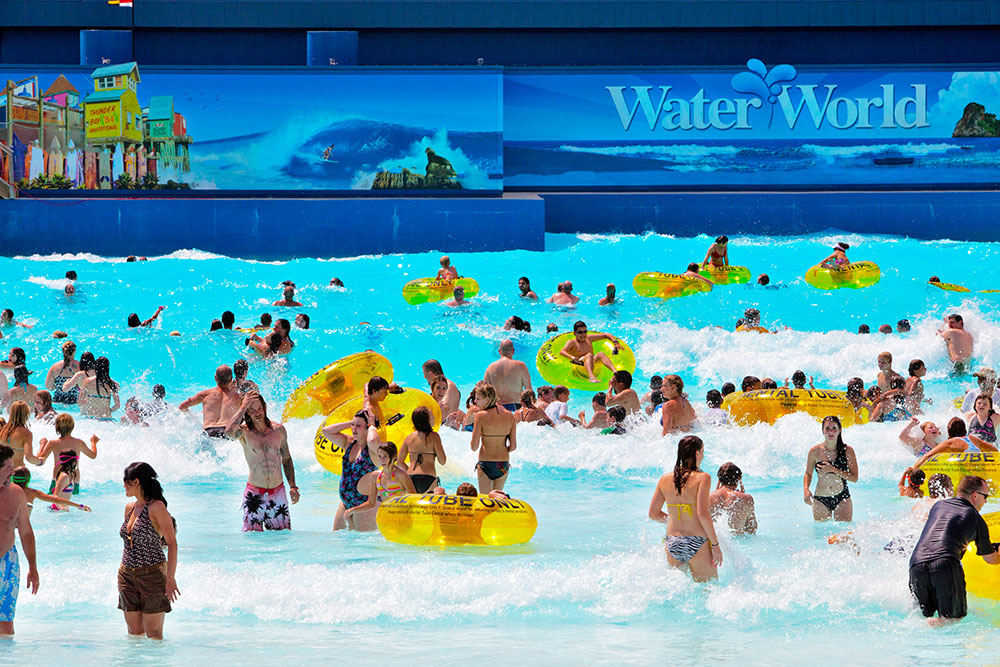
<point>718,253</point>
<point>496,431</point>
<point>835,465</point>
<point>838,259</point>
<point>43,408</point>
<point>982,420</point>
<point>691,540</point>
<point>68,473</point>
<point>914,387</point>
<point>927,440</point>
<point>425,450</point>
<point>380,485</point>
<point>22,477</point>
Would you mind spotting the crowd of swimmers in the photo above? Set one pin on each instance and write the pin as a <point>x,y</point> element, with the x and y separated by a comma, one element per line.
<point>373,470</point>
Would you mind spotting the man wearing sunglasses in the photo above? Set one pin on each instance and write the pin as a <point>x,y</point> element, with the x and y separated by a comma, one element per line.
<point>580,349</point>
<point>937,579</point>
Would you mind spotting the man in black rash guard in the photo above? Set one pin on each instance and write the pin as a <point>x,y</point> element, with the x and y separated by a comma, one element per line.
<point>937,579</point>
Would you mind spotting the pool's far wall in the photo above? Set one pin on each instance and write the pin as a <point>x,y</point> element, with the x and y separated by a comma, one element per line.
<point>959,215</point>
<point>271,229</point>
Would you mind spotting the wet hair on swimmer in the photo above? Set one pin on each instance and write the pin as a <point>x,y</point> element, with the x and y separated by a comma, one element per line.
<point>487,391</point>
<point>969,484</point>
<point>915,366</point>
<point>18,354</point>
<point>843,247</point>
<point>240,368</point>
<point>768,383</point>
<point>361,414</point>
<point>265,319</point>
<point>390,449</point>
<point>21,374</point>
<point>433,366</point>
<point>864,329</point>
<point>617,412</point>
<point>466,489</point>
<point>216,325</point>
<point>134,321</point>
<point>64,424</point>
<point>687,460</point>
<point>377,384</point>
<point>600,398</point>
<point>896,383</point>
<point>730,474</point>
<point>749,382</point>
<point>799,379</point>
<point>694,266</point>
<point>623,378</point>
<point>855,387</point>
<point>903,326</point>
<point>713,398</point>
<point>956,428</point>
<point>228,318</point>
<point>728,388</point>
<point>159,391</point>
<point>722,239</point>
<point>528,398</point>
<point>21,476</point>
<point>917,477</point>
<point>422,420</point>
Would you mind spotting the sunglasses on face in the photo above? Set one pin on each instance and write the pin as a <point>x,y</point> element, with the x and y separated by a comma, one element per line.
<point>985,496</point>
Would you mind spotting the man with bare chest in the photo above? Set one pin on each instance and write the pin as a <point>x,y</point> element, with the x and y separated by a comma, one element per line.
<point>13,514</point>
<point>217,404</point>
<point>265,446</point>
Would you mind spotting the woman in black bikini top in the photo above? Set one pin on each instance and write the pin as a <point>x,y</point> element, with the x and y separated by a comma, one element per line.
<point>832,492</point>
<point>425,450</point>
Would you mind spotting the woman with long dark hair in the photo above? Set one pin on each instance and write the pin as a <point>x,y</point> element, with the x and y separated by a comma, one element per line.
<point>691,540</point>
<point>425,450</point>
<point>146,584</point>
<point>22,389</point>
<point>835,465</point>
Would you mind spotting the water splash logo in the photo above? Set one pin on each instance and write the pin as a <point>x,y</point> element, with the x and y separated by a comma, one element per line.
<point>763,84</point>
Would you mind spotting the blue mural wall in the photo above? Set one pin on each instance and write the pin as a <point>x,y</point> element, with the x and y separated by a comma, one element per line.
<point>301,130</point>
<point>758,126</point>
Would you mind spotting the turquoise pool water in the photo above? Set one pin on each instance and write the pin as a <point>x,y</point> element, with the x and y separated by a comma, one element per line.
<point>593,585</point>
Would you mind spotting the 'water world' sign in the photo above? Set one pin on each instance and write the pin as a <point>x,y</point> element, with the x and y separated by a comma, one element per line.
<point>809,102</point>
<point>750,127</point>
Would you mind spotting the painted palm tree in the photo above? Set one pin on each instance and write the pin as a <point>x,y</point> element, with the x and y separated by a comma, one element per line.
<point>253,503</point>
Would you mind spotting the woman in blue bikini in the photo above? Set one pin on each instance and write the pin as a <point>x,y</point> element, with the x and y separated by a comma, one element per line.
<point>691,540</point>
<point>835,465</point>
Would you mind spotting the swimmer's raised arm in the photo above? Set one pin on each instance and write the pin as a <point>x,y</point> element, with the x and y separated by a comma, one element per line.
<point>905,436</point>
<point>91,452</point>
<point>334,435</point>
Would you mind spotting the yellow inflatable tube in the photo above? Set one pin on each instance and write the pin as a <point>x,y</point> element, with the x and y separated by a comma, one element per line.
<point>557,369</point>
<point>726,275</point>
<point>768,405</point>
<point>981,578</point>
<point>854,275</point>
<point>396,409</point>
<point>427,290</point>
<point>333,384</point>
<point>959,464</point>
<point>451,521</point>
<point>667,285</point>
<point>948,287</point>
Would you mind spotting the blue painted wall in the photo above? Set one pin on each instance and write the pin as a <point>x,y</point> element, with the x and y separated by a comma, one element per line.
<point>967,216</point>
<point>271,228</point>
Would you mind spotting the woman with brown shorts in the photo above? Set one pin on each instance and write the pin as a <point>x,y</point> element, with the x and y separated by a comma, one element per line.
<point>146,584</point>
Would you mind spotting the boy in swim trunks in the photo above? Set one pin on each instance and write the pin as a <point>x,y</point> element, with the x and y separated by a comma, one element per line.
<point>580,349</point>
<point>13,514</point>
